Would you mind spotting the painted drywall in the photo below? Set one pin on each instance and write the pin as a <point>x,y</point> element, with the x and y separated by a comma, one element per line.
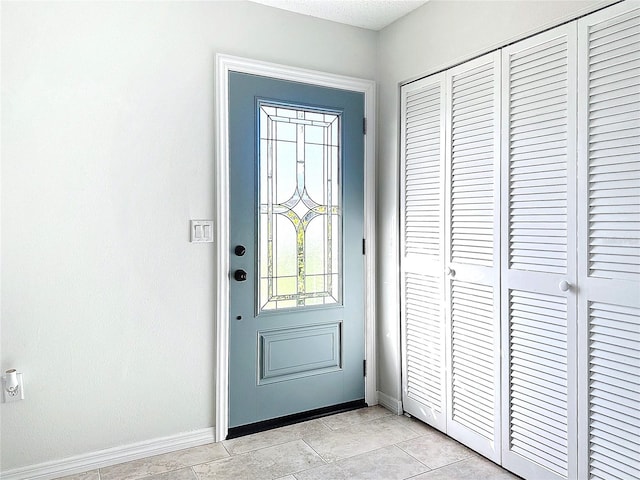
<point>107,153</point>
<point>437,35</point>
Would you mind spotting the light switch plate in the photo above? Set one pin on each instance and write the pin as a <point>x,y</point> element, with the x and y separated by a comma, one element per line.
<point>201,231</point>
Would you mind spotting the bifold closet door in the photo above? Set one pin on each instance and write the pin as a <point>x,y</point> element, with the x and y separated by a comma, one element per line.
<point>539,256</point>
<point>609,243</point>
<point>422,250</point>
<point>472,236</point>
<point>450,269</point>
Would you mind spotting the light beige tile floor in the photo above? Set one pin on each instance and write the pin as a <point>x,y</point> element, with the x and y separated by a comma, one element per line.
<point>365,444</point>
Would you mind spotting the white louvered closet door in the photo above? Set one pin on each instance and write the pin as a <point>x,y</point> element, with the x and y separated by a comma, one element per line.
<point>609,243</point>
<point>472,275</point>
<point>422,240</point>
<point>539,256</point>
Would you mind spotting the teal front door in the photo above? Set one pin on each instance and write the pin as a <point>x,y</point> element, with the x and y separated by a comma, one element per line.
<point>296,335</point>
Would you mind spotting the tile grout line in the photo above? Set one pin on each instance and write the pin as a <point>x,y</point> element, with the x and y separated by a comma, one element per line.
<point>226,449</point>
<point>420,462</point>
<point>181,467</point>
<point>314,451</point>
<point>278,442</point>
<point>320,456</point>
<point>444,466</point>
<point>262,448</point>
<point>431,469</point>
<point>195,474</point>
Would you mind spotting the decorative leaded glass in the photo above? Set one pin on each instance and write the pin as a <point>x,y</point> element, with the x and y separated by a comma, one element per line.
<point>300,231</point>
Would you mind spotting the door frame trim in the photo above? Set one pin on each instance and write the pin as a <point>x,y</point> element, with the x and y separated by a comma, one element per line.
<point>224,65</point>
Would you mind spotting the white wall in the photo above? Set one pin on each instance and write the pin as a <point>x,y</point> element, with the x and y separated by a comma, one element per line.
<point>433,37</point>
<point>107,153</point>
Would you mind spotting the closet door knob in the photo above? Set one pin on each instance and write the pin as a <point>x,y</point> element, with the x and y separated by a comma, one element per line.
<point>450,272</point>
<point>564,285</point>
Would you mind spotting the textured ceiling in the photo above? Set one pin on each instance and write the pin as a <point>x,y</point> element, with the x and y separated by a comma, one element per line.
<point>371,14</point>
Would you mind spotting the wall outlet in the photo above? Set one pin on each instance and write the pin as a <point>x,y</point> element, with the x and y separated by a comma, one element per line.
<point>10,394</point>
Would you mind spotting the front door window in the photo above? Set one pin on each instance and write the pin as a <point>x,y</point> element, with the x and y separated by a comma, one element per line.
<point>300,224</point>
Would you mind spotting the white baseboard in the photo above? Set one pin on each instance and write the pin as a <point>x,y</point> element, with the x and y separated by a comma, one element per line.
<point>390,403</point>
<point>110,456</point>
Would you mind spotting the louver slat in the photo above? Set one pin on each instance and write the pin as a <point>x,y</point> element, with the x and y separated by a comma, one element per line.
<point>538,376</point>
<point>472,166</point>
<point>614,150</point>
<point>538,142</point>
<point>614,391</point>
<point>422,172</point>
<point>473,381</point>
<point>423,326</point>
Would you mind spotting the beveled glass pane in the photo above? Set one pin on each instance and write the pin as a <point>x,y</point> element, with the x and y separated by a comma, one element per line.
<point>333,133</point>
<point>300,232</point>
<point>315,246</point>
<point>335,244</point>
<point>333,162</point>
<point>314,134</point>
<point>285,286</point>
<point>263,173</point>
<point>285,171</point>
<point>264,274</point>
<point>314,170</point>
<point>315,284</point>
<point>285,112</point>
<point>285,248</point>
<point>316,116</point>
<point>286,132</point>
<point>286,304</point>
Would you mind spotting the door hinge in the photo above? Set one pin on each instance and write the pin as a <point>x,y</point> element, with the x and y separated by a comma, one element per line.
<point>364,249</point>
<point>364,368</point>
<point>364,126</point>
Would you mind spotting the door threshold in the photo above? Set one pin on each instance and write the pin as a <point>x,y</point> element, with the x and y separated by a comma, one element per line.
<point>243,430</point>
